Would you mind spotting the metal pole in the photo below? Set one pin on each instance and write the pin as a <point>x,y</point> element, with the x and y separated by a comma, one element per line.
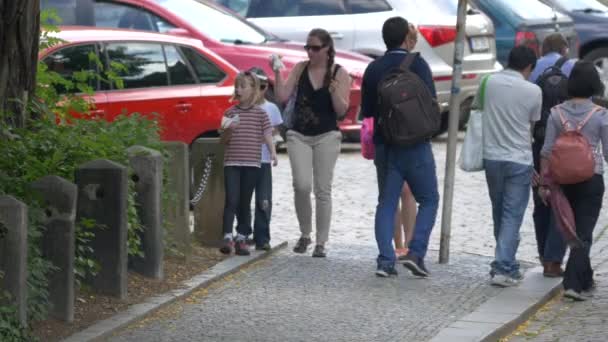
<point>448,192</point>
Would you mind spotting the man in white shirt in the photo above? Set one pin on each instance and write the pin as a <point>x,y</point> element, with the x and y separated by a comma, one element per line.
<point>512,106</point>
<point>263,187</point>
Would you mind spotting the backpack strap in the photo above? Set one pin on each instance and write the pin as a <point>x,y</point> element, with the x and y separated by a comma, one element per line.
<point>407,62</point>
<point>581,124</point>
<point>560,62</point>
<point>557,65</point>
<point>587,118</point>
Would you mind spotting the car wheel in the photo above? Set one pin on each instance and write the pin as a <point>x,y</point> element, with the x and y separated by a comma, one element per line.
<point>599,57</point>
<point>353,137</point>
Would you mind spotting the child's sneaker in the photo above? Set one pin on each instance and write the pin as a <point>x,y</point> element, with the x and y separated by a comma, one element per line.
<point>241,248</point>
<point>401,252</point>
<point>227,246</point>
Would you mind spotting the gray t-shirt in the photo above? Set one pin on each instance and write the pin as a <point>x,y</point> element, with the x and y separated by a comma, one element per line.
<point>596,129</point>
<point>511,105</point>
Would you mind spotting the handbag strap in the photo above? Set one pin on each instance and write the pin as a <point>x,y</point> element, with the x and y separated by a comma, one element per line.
<point>482,91</point>
<point>338,66</point>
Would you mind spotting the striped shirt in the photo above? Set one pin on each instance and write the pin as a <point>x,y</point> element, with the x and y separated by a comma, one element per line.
<point>245,146</point>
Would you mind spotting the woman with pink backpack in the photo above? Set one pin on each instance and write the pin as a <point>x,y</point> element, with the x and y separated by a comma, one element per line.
<point>571,158</point>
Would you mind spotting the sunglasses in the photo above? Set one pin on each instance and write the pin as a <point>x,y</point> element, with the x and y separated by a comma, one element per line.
<point>314,48</point>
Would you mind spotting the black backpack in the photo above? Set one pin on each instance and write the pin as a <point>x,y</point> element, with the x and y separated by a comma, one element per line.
<point>554,85</point>
<point>407,114</point>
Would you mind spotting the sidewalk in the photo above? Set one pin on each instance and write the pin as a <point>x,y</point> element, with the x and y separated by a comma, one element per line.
<point>293,297</point>
<point>567,321</point>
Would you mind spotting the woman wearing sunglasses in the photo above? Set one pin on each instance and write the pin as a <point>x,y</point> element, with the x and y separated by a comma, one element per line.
<point>321,91</point>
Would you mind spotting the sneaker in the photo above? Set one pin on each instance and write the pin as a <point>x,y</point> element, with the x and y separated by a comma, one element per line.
<point>302,245</point>
<point>577,296</point>
<point>502,280</point>
<point>386,272</point>
<point>264,247</point>
<point>399,252</point>
<point>319,252</point>
<point>227,246</point>
<point>414,264</point>
<point>241,248</point>
<point>250,241</point>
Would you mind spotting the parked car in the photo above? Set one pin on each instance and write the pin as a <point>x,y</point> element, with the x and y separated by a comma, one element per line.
<point>526,22</point>
<point>591,23</point>
<point>239,42</point>
<point>356,25</point>
<point>175,79</point>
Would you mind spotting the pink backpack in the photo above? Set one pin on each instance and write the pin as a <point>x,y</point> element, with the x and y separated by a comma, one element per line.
<point>572,159</point>
<point>367,138</point>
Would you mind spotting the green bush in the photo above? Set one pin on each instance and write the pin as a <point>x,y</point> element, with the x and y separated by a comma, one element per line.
<point>54,143</point>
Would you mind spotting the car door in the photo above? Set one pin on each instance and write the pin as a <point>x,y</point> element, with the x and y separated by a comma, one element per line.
<point>294,19</point>
<point>215,93</point>
<point>74,59</point>
<point>155,86</point>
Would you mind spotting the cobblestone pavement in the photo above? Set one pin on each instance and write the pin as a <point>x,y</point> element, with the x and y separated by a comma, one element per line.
<point>565,321</point>
<point>298,298</point>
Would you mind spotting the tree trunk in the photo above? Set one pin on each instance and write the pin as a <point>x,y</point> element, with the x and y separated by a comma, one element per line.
<point>19,37</point>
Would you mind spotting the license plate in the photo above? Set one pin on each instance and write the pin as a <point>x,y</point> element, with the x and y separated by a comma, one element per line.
<point>479,44</point>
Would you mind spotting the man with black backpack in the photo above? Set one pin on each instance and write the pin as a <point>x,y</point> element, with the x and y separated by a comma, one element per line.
<point>398,92</point>
<point>551,75</point>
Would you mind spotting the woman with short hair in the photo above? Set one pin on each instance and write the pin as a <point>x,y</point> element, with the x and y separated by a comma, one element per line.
<point>584,197</point>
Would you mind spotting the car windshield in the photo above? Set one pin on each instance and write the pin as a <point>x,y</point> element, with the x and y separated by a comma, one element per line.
<point>218,24</point>
<point>445,6</point>
<point>583,5</point>
<point>524,9</point>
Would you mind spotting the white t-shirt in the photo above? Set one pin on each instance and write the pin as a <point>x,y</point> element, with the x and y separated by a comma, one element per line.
<point>512,104</point>
<point>274,115</point>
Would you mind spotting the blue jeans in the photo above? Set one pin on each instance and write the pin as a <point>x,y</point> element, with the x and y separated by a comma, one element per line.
<point>416,166</point>
<point>263,205</point>
<point>509,187</point>
<point>239,182</point>
<point>551,246</point>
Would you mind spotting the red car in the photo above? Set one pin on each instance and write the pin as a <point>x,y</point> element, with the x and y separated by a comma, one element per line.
<point>233,38</point>
<point>177,79</point>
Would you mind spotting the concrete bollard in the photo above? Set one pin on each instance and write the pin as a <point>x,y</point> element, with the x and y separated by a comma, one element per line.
<point>177,223</point>
<point>13,254</point>
<point>102,197</point>
<point>147,166</point>
<point>58,240</point>
<point>209,211</point>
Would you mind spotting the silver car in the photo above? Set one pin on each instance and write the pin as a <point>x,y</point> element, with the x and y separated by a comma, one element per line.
<point>356,25</point>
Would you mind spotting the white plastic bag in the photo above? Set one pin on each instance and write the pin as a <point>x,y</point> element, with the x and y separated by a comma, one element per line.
<point>471,154</point>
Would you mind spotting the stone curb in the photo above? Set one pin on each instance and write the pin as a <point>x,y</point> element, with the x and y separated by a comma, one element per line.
<point>137,312</point>
<point>500,315</point>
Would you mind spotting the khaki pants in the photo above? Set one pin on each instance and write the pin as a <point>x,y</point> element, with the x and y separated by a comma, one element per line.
<point>313,159</point>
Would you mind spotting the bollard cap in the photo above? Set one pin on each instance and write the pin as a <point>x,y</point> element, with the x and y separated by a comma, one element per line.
<point>138,150</point>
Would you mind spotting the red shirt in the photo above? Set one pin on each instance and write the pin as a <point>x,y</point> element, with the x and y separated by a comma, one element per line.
<point>245,146</point>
